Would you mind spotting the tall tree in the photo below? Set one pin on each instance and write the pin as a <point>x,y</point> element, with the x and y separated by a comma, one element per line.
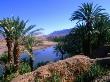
<point>20,31</point>
<point>29,42</point>
<point>14,29</point>
<point>101,30</point>
<point>87,13</point>
<point>6,29</point>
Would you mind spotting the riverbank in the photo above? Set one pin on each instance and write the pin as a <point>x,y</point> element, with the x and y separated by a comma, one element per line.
<point>76,65</point>
<point>44,44</point>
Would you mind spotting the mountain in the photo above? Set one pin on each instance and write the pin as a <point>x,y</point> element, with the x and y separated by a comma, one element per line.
<point>60,33</point>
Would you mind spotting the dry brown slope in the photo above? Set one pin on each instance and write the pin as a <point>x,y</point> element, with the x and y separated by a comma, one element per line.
<point>68,69</point>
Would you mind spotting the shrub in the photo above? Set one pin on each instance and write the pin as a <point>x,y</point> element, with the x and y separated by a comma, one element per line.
<point>4,57</point>
<point>54,78</point>
<point>24,68</point>
<point>10,77</point>
<point>8,74</point>
<point>95,71</point>
<point>10,69</point>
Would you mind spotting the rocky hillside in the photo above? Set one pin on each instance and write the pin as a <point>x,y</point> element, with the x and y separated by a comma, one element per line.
<point>59,33</point>
<point>67,70</point>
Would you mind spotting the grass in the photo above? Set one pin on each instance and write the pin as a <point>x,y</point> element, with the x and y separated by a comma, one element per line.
<point>10,73</point>
<point>95,71</point>
<point>24,68</point>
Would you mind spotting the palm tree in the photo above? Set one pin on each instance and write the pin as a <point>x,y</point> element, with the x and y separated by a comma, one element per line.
<point>75,42</point>
<point>59,48</point>
<point>29,42</point>
<point>14,31</point>
<point>87,13</point>
<point>80,36</point>
<point>20,31</point>
<point>102,30</point>
<point>6,29</point>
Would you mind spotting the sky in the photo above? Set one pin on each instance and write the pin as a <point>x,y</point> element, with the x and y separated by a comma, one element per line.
<point>51,15</point>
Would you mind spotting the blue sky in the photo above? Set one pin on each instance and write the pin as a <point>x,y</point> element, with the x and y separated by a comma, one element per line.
<point>51,15</point>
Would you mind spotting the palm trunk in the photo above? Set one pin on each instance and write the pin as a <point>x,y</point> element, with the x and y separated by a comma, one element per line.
<point>10,51</point>
<point>89,26</point>
<point>62,54</point>
<point>31,63</point>
<point>31,59</point>
<point>16,53</point>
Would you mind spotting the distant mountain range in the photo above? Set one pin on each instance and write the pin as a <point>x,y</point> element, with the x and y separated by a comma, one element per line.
<point>60,33</point>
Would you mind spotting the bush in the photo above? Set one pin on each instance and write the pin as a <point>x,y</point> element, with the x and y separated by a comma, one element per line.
<point>95,71</point>
<point>10,69</point>
<point>24,68</point>
<point>10,77</point>
<point>9,74</point>
<point>4,57</point>
<point>54,78</point>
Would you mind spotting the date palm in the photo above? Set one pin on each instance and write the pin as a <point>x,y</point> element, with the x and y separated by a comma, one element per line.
<point>14,30</point>
<point>20,31</point>
<point>88,13</point>
<point>102,30</point>
<point>29,42</point>
<point>6,29</point>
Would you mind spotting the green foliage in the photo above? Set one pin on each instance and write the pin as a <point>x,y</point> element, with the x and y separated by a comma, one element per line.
<point>10,69</point>
<point>6,28</point>
<point>57,39</point>
<point>14,30</point>
<point>10,77</point>
<point>4,57</point>
<point>54,78</point>
<point>30,41</point>
<point>95,71</point>
<point>24,68</point>
<point>91,32</point>
<point>9,74</point>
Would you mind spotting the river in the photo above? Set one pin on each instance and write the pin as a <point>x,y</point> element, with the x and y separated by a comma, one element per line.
<point>41,55</point>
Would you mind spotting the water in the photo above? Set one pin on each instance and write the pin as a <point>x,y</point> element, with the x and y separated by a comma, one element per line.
<point>47,54</point>
<point>42,55</point>
<point>2,71</point>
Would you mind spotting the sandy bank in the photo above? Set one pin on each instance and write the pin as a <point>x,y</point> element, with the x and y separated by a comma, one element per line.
<point>44,44</point>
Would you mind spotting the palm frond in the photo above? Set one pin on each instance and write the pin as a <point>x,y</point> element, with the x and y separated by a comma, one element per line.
<point>28,29</point>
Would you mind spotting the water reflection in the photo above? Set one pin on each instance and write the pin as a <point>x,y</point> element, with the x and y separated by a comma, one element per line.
<point>42,55</point>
